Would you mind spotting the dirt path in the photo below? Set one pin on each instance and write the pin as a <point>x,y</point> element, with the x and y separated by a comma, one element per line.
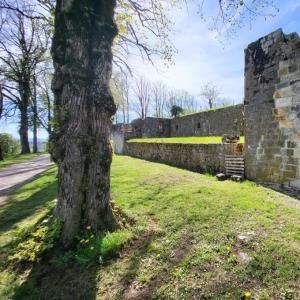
<point>15,176</point>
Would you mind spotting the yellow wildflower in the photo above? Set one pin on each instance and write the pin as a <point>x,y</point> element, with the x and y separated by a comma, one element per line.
<point>247,294</point>
<point>82,241</point>
<point>86,241</point>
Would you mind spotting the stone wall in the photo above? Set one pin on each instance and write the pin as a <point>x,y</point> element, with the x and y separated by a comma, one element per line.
<point>117,139</point>
<point>272,109</point>
<point>155,127</point>
<point>227,120</point>
<point>269,119</point>
<point>195,157</point>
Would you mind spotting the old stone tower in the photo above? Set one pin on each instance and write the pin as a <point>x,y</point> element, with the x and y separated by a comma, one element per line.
<point>272,109</point>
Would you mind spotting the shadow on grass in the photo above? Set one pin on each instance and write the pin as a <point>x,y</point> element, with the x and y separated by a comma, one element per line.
<point>72,281</point>
<point>294,193</point>
<point>15,211</point>
<point>147,291</point>
<point>51,281</point>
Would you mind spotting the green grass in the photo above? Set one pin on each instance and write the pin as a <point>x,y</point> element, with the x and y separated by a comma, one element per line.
<point>183,245</point>
<point>184,140</point>
<point>17,159</point>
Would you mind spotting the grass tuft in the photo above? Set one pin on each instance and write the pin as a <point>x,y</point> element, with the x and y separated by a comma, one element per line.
<point>112,242</point>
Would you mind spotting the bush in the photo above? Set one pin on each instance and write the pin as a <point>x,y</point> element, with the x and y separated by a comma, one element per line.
<point>8,145</point>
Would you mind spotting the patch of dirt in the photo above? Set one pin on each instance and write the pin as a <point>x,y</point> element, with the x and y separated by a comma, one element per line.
<point>145,292</point>
<point>121,216</point>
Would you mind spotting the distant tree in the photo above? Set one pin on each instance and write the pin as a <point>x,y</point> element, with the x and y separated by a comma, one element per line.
<point>210,92</point>
<point>176,111</point>
<point>8,145</point>
<point>225,102</point>
<point>187,101</point>
<point>45,100</point>
<point>120,89</point>
<point>159,95</point>
<point>183,99</point>
<point>22,48</point>
<point>142,93</point>
<point>1,101</point>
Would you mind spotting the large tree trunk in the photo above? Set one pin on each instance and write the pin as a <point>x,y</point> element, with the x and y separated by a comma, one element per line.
<point>25,148</point>
<point>1,109</point>
<point>24,89</point>
<point>1,154</point>
<point>49,117</point>
<point>34,119</point>
<point>84,106</point>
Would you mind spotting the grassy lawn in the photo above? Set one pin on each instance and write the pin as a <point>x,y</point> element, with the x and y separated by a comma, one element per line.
<point>184,140</point>
<point>193,238</point>
<point>17,159</point>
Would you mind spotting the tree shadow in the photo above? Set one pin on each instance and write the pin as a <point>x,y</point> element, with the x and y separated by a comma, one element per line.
<point>71,281</point>
<point>11,189</point>
<point>51,280</point>
<point>15,211</point>
<point>21,171</point>
<point>48,280</point>
<point>129,292</point>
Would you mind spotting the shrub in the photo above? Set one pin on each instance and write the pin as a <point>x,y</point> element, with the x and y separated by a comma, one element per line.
<point>8,145</point>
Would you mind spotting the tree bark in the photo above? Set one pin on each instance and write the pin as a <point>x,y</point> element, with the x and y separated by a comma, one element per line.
<point>49,117</point>
<point>25,148</point>
<point>24,88</point>
<point>84,106</point>
<point>34,119</point>
<point>1,154</point>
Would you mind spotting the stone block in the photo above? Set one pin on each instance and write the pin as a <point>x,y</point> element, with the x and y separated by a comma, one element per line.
<point>285,124</point>
<point>283,71</point>
<point>277,94</point>
<point>221,177</point>
<point>295,183</point>
<point>297,152</point>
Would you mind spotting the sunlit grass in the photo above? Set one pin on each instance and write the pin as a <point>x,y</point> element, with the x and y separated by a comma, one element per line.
<point>17,159</point>
<point>184,243</point>
<point>184,140</point>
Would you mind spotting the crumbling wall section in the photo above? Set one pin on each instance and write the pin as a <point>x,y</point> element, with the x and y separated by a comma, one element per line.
<point>215,122</point>
<point>272,109</point>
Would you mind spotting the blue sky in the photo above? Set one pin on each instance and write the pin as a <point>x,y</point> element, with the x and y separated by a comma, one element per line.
<point>202,57</point>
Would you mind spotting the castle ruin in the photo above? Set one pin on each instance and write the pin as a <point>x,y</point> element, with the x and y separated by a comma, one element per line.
<point>269,119</point>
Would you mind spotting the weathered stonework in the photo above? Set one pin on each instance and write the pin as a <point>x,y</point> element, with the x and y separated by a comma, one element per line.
<point>195,157</point>
<point>216,122</point>
<point>272,109</point>
<point>147,128</point>
<point>227,120</point>
<point>269,119</point>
